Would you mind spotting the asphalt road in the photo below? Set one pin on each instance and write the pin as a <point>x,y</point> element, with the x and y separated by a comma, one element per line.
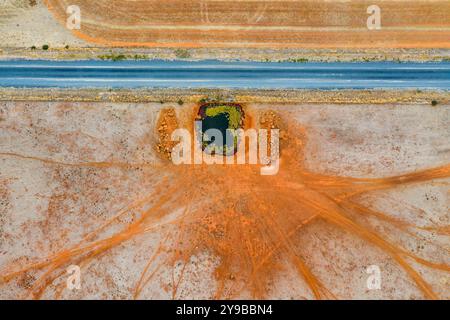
<point>215,74</point>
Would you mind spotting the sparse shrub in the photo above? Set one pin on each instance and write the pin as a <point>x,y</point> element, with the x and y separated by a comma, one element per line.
<point>182,54</point>
<point>33,47</point>
<point>140,57</point>
<point>113,57</point>
<point>299,60</point>
<point>180,102</point>
<point>204,100</point>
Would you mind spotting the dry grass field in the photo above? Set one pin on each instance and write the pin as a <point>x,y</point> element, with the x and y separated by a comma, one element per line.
<point>255,23</point>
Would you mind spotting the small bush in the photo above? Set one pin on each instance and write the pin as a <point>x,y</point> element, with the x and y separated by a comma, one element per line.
<point>45,47</point>
<point>119,57</point>
<point>180,102</point>
<point>299,60</point>
<point>434,103</point>
<point>204,100</point>
<point>66,47</point>
<point>140,57</point>
<point>33,48</point>
<point>113,57</point>
<point>182,54</point>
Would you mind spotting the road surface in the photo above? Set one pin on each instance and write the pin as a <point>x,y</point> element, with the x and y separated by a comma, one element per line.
<point>216,74</point>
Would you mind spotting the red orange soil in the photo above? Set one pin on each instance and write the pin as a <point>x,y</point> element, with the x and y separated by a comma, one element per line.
<point>167,123</point>
<point>261,24</point>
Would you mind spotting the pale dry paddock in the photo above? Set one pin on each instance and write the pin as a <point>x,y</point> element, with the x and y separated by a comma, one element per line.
<point>68,168</point>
